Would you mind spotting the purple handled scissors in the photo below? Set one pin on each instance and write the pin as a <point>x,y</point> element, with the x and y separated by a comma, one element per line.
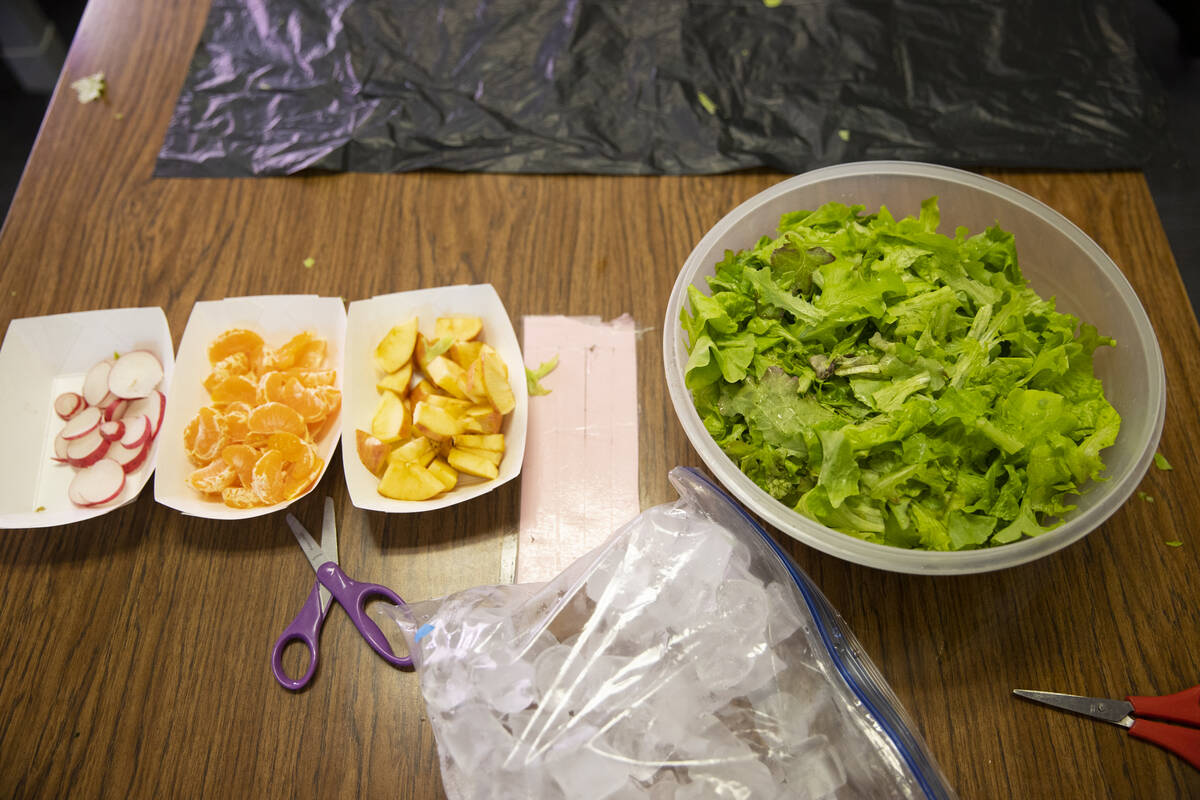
<point>331,584</point>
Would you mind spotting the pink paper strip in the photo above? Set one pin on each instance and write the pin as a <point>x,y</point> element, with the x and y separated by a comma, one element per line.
<point>579,480</point>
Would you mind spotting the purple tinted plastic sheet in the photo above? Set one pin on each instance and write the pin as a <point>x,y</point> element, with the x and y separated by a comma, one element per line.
<point>659,86</point>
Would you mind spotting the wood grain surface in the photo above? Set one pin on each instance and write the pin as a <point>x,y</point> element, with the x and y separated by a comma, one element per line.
<point>135,645</point>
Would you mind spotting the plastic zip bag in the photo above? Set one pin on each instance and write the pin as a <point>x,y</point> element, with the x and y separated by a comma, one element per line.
<point>685,658</point>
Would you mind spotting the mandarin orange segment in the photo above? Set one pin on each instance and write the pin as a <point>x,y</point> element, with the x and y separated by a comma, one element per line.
<point>312,354</point>
<point>236,340</point>
<point>274,417</point>
<point>242,457</point>
<point>290,446</point>
<point>284,357</point>
<point>234,389</point>
<point>237,424</point>
<point>239,497</point>
<point>313,378</point>
<point>212,478</point>
<point>267,478</point>
<point>300,480</point>
<point>210,434</point>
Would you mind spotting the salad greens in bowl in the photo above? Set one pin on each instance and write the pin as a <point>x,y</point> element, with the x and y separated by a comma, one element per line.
<point>861,357</point>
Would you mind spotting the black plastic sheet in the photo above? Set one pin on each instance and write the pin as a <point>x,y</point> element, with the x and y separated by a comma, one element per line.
<point>660,86</point>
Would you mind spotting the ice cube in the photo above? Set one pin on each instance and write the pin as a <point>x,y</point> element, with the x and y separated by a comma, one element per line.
<point>474,738</point>
<point>507,688</point>
<point>814,769</point>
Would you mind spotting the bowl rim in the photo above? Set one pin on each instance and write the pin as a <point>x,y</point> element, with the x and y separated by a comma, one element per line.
<point>887,557</point>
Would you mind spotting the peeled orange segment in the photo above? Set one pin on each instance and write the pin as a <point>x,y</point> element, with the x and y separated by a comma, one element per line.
<point>237,424</point>
<point>308,403</point>
<point>331,397</point>
<point>285,357</point>
<point>290,446</point>
<point>312,354</point>
<point>234,389</point>
<point>242,457</point>
<point>239,497</point>
<point>275,418</point>
<point>236,340</point>
<point>189,436</point>
<point>313,377</point>
<point>213,478</point>
<point>267,477</point>
<point>210,435</point>
<point>298,483</point>
<point>271,386</point>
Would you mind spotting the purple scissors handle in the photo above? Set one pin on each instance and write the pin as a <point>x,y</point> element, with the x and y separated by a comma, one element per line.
<point>305,628</point>
<point>353,596</point>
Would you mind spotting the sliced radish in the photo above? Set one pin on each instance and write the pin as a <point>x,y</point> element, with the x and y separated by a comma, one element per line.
<point>111,430</point>
<point>116,409</point>
<point>138,431</point>
<point>82,423</point>
<point>87,449</point>
<point>135,374</point>
<point>99,483</point>
<point>95,383</point>
<point>68,404</point>
<point>60,449</point>
<point>153,405</point>
<point>130,459</point>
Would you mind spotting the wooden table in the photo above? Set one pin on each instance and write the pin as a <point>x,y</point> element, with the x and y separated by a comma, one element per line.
<point>134,655</point>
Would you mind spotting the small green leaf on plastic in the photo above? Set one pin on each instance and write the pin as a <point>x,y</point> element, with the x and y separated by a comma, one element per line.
<point>40,508</point>
<point>118,115</point>
<point>90,88</point>
<point>1174,543</point>
<point>772,3</point>
<point>534,376</point>
<point>116,355</point>
<point>309,262</point>
<point>707,102</point>
<point>1161,462</point>
<point>844,135</point>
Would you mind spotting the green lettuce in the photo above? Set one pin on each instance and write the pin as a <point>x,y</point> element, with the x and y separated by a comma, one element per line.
<point>897,384</point>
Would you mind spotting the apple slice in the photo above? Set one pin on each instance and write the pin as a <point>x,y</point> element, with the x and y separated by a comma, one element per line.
<point>139,430</point>
<point>68,404</point>
<point>408,480</point>
<point>111,430</point>
<point>135,374</point>
<point>472,463</point>
<point>495,380</point>
<point>154,406</point>
<point>396,347</point>
<point>461,329</point>
<point>87,449</point>
<point>82,423</point>
<point>99,483</point>
<point>372,452</point>
<point>392,420</point>
<point>95,383</point>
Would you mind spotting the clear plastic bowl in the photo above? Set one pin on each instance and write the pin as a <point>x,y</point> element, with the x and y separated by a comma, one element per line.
<point>1059,261</point>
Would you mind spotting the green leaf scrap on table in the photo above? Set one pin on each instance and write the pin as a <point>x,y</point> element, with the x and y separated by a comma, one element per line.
<point>90,88</point>
<point>533,377</point>
<point>1174,543</point>
<point>896,384</point>
<point>1161,462</point>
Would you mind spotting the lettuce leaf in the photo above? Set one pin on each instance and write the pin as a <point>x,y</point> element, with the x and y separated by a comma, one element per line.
<point>897,384</point>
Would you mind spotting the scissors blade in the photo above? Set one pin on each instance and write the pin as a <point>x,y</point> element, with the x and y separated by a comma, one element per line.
<point>329,542</point>
<point>1115,711</point>
<point>312,551</point>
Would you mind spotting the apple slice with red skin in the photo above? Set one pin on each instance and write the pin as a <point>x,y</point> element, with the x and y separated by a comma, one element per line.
<point>82,423</point>
<point>99,483</point>
<point>135,374</point>
<point>87,449</point>
<point>68,404</point>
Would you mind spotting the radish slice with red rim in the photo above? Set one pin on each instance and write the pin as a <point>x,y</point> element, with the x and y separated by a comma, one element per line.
<point>130,458</point>
<point>111,430</point>
<point>99,483</point>
<point>116,409</point>
<point>135,374</point>
<point>87,450</point>
<point>137,431</point>
<point>60,449</point>
<point>68,404</point>
<point>153,405</point>
<point>82,423</point>
<point>95,383</point>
